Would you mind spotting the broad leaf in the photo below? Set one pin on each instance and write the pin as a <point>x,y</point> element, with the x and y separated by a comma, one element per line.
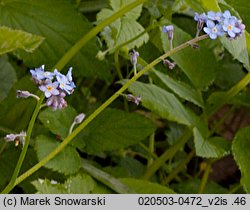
<point>115,129</point>
<point>58,121</point>
<point>215,147</point>
<point>61,26</point>
<point>16,39</point>
<point>146,187</point>
<point>7,77</point>
<point>79,184</point>
<point>240,150</point>
<point>210,5</point>
<point>67,161</point>
<point>123,29</point>
<point>165,104</point>
<point>182,89</point>
<point>191,61</point>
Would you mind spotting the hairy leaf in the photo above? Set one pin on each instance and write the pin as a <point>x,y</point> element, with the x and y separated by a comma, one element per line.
<point>11,40</point>
<point>7,77</point>
<point>61,26</point>
<point>67,161</point>
<point>115,129</point>
<point>240,150</point>
<point>215,147</point>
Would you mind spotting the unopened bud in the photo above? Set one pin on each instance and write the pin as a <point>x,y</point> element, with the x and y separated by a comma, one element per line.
<point>79,118</point>
<point>22,94</point>
<point>134,99</point>
<point>169,64</point>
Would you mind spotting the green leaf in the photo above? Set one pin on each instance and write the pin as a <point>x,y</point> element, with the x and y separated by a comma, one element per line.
<point>67,161</point>
<point>215,147</point>
<point>123,29</point>
<point>45,186</point>
<point>61,26</point>
<point>146,187</point>
<point>11,40</point>
<point>7,77</point>
<point>237,48</point>
<point>182,89</point>
<point>191,61</point>
<point>115,129</point>
<point>240,150</point>
<point>210,5</point>
<point>79,184</point>
<point>58,121</point>
<point>163,103</point>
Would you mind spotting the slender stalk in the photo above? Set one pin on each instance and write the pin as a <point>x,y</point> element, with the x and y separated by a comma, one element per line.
<point>61,63</point>
<point>174,173</point>
<point>151,148</point>
<point>205,177</point>
<point>104,106</point>
<point>167,154</point>
<point>11,184</point>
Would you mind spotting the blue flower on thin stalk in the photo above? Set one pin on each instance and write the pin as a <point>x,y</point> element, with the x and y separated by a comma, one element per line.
<point>50,89</point>
<point>229,26</point>
<point>213,30</point>
<point>217,16</point>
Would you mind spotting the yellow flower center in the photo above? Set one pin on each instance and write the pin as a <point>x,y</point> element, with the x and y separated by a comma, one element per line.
<point>230,27</point>
<point>49,88</point>
<point>63,85</point>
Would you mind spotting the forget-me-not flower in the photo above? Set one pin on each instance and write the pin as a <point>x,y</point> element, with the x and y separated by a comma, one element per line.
<point>213,30</point>
<point>50,89</point>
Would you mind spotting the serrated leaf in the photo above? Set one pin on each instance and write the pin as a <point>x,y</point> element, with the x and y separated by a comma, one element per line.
<point>62,27</point>
<point>146,187</point>
<point>67,161</point>
<point>11,40</point>
<point>191,61</point>
<point>7,77</point>
<point>215,147</point>
<point>123,29</point>
<point>163,103</point>
<point>115,129</point>
<point>58,121</point>
<point>45,186</point>
<point>240,150</point>
<point>79,184</point>
<point>182,89</point>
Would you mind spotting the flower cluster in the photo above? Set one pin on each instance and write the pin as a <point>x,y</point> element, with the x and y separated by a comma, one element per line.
<point>54,85</point>
<point>219,24</point>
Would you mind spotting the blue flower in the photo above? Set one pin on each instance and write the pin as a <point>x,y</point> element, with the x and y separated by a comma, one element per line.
<point>169,30</point>
<point>69,76</point>
<point>200,17</point>
<point>217,16</point>
<point>50,89</point>
<point>39,74</point>
<point>229,26</point>
<point>213,30</point>
<point>65,82</point>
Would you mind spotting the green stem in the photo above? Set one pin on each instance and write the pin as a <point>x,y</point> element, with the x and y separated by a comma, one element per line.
<point>69,138</point>
<point>179,168</point>
<point>205,177</point>
<point>11,184</point>
<point>117,65</point>
<point>151,148</point>
<point>167,154</point>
